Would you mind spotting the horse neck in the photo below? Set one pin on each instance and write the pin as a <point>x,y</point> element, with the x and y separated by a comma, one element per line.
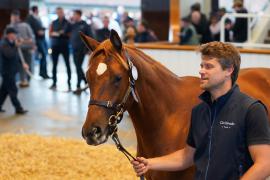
<point>155,87</point>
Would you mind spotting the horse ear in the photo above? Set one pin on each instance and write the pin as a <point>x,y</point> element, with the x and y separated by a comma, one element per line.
<point>115,40</point>
<point>89,42</point>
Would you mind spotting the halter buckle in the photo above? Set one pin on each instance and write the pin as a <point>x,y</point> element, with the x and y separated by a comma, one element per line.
<point>109,104</point>
<point>111,122</point>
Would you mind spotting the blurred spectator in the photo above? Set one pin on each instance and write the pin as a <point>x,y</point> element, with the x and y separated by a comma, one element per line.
<point>104,33</point>
<point>221,12</point>
<point>188,35</point>
<point>199,21</point>
<point>240,27</point>
<point>34,21</point>
<point>130,35</point>
<point>228,30</point>
<point>125,17</point>
<point>215,27</point>
<point>10,62</point>
<point>144,34</point>
<point>79,49</point>
<point>27,37</point>
<point>129,30</point>
<point>59,34</point>
<point>91,23</point>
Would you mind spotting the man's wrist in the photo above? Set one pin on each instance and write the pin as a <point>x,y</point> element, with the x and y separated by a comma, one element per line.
<point>151,163</point>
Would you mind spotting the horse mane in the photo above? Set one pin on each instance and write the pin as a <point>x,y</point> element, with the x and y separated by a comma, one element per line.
<point>155,65</point>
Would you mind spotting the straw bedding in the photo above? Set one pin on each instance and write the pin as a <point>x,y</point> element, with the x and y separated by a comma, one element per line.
<point>35,157</point>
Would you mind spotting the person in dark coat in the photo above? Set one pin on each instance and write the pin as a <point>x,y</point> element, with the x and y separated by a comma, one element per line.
<point>144,33</point>
<point>34,21</point>
<point>240,27</point>
<point>188,34</point>
<point>200,22</point>
<point>104,33</point>
<point>59,34</point>
<point>78,46</point>
<point>228,30</point>
<point>10,66</point>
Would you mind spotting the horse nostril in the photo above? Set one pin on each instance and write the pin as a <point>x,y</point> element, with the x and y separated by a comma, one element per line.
<point>95,132</point>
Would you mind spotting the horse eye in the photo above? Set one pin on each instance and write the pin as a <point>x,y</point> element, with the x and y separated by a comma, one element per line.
<point>117,79</point>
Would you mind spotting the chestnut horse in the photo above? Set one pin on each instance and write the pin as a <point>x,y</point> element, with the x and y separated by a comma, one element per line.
<point>159,103</point>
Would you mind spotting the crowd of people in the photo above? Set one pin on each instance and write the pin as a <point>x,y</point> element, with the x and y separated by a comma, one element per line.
<point>25,40</point>
<point>197,29</point>
<point>64,39</point>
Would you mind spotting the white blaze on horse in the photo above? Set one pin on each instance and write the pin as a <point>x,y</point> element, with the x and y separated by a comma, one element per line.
<point>158,101</point>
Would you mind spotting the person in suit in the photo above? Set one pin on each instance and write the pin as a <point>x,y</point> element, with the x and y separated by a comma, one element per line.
<point>78,46</point>
<point>240,27</point>
<point>34,21</point>
<point>11,63</point>
<point>59,34</point>
<point>104,32</point>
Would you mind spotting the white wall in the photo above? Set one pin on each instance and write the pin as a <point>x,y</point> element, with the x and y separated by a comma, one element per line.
<point>185,63</point>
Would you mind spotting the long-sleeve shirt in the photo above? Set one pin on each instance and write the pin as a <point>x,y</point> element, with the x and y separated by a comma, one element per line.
<point>25,32</point>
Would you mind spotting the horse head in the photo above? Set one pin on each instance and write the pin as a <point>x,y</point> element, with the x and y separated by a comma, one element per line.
<point>108,77</point>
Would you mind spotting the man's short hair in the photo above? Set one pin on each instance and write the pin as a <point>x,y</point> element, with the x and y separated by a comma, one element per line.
<point>34,8</point>
<point>59,8</point>
<point>226,54</point>
<point>228,21</point>
<point>77,11</point>
<point>15,12</point>
<point>10,30</point>
<point>186,19</point>
<point>196,7</point>
<point>128,19</point>
<point>238,4</point>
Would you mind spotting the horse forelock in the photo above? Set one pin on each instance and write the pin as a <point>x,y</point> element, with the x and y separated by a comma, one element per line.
<point>106,49</point>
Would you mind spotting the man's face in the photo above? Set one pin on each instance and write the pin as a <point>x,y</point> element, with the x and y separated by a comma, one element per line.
<point>212,74</point>
<point>11,36</point>
<point>76,17</point>
<point>195,17</point>
<point>36,12</point>
<point>106,22</point>
<point>140,28</point>
<point>60,13</point>
<point>236,8</point>
<point>14,18</point>
<point>184,23</point>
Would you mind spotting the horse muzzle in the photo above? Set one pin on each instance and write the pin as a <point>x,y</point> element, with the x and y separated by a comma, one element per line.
<point>94,136</point>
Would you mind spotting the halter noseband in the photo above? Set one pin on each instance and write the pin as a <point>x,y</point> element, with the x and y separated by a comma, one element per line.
<point>118,108</point>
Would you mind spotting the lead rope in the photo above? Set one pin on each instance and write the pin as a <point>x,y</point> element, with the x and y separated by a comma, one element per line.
<point>119,115</point>
<point>120,147</point>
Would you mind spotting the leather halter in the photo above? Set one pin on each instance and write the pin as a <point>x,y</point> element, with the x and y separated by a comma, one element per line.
<point>117,107</point>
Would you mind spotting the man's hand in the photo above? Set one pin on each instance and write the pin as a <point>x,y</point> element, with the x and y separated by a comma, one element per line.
<point>55,34</point>
<point>25,67</point>
<point>140,165</point>
<point>41,32</point>
<point>18,42</point>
